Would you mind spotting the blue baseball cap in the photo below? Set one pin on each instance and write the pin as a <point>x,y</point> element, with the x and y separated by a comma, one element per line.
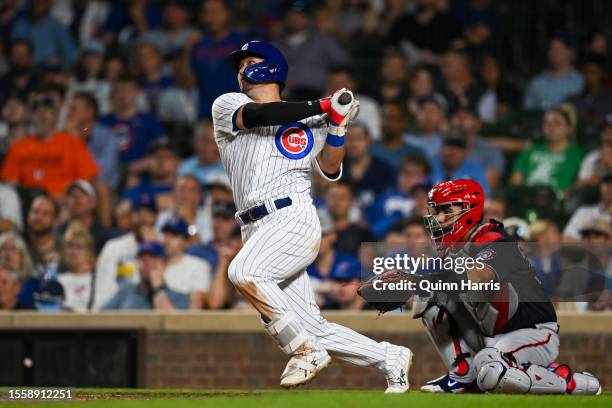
<point>151,248</point>
<point>176,226</point>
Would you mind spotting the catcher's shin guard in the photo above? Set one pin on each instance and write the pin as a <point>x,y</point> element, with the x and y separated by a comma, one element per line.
<point>498,373</point>
<point>577,383</point>
<point>450,341</point>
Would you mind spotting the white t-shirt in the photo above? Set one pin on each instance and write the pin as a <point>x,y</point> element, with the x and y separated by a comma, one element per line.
<point>583,217</point>
<point>190,274</point>
<point>77,289</point>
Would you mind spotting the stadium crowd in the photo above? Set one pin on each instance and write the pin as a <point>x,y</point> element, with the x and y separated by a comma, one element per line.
<point>112,194</point>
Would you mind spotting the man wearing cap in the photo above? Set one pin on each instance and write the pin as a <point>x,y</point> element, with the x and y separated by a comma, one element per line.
<point>151,291</point>
<point>81,204</point>
<point>587,214</point>
<point>184,273</point>
<point>117,260</point>
<point>454,163</point>
<point>163,163</point>
<point>550,88</point>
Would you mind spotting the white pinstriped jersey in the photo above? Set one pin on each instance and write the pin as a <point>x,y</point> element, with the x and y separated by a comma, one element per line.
<point>267,162</point>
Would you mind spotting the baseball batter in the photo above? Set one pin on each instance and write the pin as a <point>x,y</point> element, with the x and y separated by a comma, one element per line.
<point>269,148</point>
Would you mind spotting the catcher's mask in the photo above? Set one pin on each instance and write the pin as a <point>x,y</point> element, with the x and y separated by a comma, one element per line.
<point>443,200</point>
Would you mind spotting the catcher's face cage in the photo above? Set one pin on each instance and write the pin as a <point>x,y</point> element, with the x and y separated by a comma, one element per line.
<point>447,231</point>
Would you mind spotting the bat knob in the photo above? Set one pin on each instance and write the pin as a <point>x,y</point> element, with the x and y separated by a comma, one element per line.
<point>345,98</point>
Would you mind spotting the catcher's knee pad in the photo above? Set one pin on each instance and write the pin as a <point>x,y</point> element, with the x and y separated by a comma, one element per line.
<point>287,331</point>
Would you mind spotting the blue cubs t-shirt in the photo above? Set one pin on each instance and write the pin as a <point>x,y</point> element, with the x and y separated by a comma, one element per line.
<point>133,134</point>
<point>214,76</point>
<point>346,267</point>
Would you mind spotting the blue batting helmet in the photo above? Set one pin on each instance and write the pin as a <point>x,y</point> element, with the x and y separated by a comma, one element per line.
<point>272,69</point>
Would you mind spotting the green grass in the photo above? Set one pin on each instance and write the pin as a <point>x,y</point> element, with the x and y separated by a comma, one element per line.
<point>188,398</point>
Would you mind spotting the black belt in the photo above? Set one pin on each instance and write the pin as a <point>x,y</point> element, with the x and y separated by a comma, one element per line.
<point>259,211</point>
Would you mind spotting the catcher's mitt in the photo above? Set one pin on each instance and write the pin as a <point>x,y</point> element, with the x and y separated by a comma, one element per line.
<point>383,299</point>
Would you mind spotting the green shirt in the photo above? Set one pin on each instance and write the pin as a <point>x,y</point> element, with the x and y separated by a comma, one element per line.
<point>541,167</point>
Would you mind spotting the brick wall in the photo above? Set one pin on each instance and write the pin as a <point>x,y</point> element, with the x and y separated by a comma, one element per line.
<point>235,360</point>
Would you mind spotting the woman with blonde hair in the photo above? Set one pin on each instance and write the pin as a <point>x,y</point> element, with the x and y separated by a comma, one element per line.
<point>78,260</point>
<point>14,253</point>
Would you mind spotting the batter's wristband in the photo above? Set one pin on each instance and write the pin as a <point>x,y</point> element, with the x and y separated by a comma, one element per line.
<point>325,104</point>
<point>335,141</point>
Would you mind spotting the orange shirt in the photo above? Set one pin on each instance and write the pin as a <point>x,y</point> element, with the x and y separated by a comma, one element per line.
<point>50,164</point>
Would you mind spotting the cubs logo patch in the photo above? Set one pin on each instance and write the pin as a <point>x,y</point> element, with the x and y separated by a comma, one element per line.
<point>294,140</point>
<point>486,254</point>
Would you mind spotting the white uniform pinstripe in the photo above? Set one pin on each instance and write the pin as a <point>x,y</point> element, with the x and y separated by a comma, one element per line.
<point>280,246</point>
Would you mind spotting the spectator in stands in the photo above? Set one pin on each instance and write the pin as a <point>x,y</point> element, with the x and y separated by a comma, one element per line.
<point>495,208</point>
<point>175,31</point>
<point>134,130</point>
<point>454,162</point>
<point>153,81</point>
<point>164,161</point>
<point>366,48</point>
<point>206,159</point>
<point>224,230</point>
<point>460,89</point>
<point>80,206</point>
<point>188,200</point>
<point>588,214</point>
<point>48,159</point>
<point>370,175</point>
<point>550,88</point>
<point>151,292</point>
<point>13,122</point>
<point>222,293</point>
<point>500,96</point>
<point>431,122</point>
<point>44,247</point>
<point>335,275</point>
<point>88,76</point>
<point>115,67</point>
<point>301,44</point>
<point>393,77</point>
<point>554,163</point>
<point>420,198</point>
<point>129,19</point>
<point>20,79</point>
<point>391,149</point>
<point>544,256</point>
<point>218,190</point>
<point>599,161</point>
<point>341,76</point>
<point>392,206</point>
<point>486,154</point>
<point>15,254</point>
<point>349,235</point>
<point>595,102</point>
<point>478,19</point>
<point>421,85</point>
<point>117,260</point>
<point>51,41</point>
<point>9,289</point>
<point>184,273</point>
<point>10,208</point>
<point>103,144</point>
<point>204,57</point>
<point>425,33</point>
<point>78,257</point>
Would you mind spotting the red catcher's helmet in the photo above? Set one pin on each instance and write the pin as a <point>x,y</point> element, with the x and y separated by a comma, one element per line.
<point>465,192</point>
